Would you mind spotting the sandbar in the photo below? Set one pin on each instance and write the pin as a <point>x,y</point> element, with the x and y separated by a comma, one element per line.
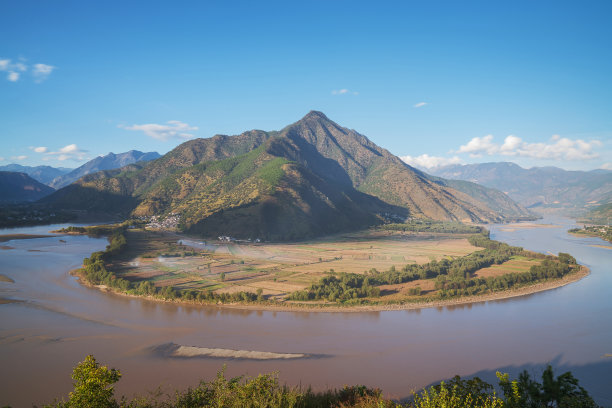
<point>4,278</point>
<point>177,350</point>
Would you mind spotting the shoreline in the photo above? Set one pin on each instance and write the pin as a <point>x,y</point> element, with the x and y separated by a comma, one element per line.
<point>464,300</point>
<point>580,234</point>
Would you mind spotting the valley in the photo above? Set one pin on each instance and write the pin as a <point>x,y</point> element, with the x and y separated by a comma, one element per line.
<point>50,322</point>
<point>327,204</point>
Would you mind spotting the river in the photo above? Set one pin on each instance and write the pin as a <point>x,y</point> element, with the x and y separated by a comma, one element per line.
<point>55,323</point>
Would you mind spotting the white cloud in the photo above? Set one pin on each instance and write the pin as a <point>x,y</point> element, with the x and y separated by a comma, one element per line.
<point>419,105</point>
<point>41,149</point>
<point>14,70</point>
<point>511,143</point>
<point>68,152</point>
<point>22,157</point>
<point>343,91</point>
<point>606,166</point>
<point>558,148</point>
<point>42,71</point>
<point>173,130</point>
<point>1,158</point>
<point>479,145</point>
<point>426,161</point>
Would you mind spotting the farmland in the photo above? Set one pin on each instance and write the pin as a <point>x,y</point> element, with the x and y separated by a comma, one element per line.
<point>276,268</point>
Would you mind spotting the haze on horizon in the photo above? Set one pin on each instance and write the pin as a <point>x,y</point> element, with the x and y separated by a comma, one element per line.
<point>434,84</point>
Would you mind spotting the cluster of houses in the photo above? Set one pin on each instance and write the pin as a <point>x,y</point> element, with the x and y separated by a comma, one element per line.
<point>225,238</point>
<point>391,217</point>
<point>170,222</point>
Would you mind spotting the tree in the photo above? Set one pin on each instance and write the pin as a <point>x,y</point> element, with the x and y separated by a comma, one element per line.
<point>462,394</point>
<point>566,258</point>
<point>562,392</point>
<point>93,386</point>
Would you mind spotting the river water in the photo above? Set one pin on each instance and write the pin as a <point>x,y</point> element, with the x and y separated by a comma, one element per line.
<point>56,322</point>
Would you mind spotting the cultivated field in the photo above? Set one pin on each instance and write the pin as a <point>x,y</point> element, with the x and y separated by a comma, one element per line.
<point>276,268</point>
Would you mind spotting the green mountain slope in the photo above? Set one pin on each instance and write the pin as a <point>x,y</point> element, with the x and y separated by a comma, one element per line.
<point>311,178</point>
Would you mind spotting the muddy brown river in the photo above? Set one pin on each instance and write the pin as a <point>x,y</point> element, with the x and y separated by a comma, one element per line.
<point>51,323</point>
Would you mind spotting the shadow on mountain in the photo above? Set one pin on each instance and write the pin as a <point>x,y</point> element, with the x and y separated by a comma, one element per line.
<point>299,150</point>
<point>594,377</point>
<point>78,197</point>
<point>304,206</point>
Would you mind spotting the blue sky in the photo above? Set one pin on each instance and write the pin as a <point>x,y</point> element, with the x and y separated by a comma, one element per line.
<point>434,82</point>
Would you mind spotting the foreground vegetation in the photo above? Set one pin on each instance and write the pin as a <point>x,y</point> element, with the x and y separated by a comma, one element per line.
<point>601,231</point>
<point>440,279</point>
<point>94,388</point>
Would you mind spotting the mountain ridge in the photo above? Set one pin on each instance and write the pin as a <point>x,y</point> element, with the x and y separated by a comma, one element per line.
<point>107,162</point>
<point>42,174</point>
<point>313,175</point>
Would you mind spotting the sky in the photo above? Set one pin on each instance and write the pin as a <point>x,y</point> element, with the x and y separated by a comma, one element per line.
<point>434,82</point>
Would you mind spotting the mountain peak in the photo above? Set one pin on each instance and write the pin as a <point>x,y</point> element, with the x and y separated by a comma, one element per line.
<point>316,115</point>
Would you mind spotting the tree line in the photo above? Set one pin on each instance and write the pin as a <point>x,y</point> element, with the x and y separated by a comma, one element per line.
<point>453,276</point>
<point>422,225</point>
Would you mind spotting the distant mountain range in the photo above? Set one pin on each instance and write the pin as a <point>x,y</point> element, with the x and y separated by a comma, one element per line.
<point>43,180</point>
<point>538,188</point>
<point>108,162</point>
<point>19,187</point>
<point>311,178</point>
<point>43,174</point>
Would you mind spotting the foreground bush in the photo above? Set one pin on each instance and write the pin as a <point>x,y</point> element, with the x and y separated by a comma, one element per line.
<point>93,388</point>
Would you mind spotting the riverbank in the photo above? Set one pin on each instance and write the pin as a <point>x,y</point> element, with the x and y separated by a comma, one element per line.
<point>583,234</point>
<point>335,308</point>
<point>11,237</point>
